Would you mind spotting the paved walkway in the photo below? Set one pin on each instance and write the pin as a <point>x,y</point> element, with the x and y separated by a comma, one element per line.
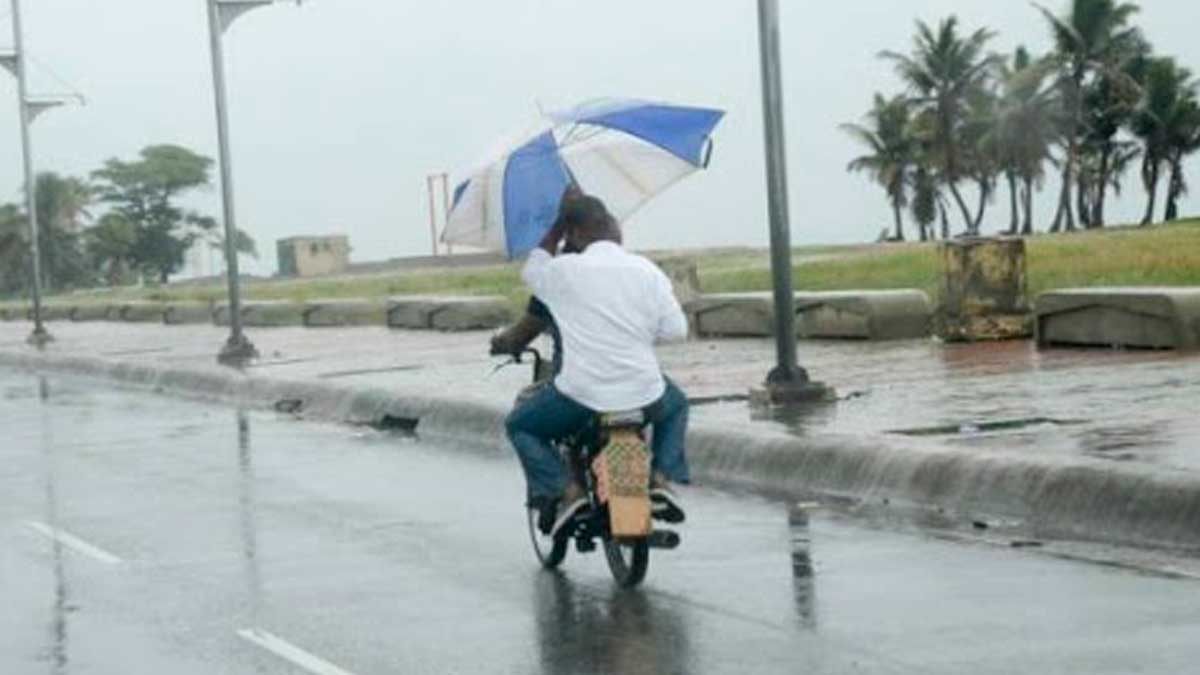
<point>1127,407</point>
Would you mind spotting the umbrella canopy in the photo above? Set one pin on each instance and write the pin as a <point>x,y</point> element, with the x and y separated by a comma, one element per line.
<point>624,152</point>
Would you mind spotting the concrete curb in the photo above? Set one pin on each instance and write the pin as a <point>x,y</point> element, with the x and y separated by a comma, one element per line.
<point>1139,317</point>
<point>1073,498</point>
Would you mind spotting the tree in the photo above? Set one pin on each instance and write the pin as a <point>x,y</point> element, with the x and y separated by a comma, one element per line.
<point>982,156</point>
<point>110,247</point>
<point>62,208</point>
<point>1162,123</point>
<point>143,194</point>
<point>1183,139</point>
<point>891,152</point>
<point>1089,38</point>
<point>1026,124</point>
<point>925,201</point>
<point>14,250</point>
<point>942,72</point>
<point>1109,102</point>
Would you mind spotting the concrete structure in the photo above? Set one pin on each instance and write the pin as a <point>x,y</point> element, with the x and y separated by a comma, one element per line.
<point>864,315</point>
<point>861,315</point>
<point>448,313</point>
<point>684,276</point>
<point>99,312</point>
<point>732,315</point>
<point>264,314</point>
<point>354,312</point>
<point>313,256</point>
<point>1141,318</point>
<point>55,312</point>
<point>141,312</point>
<point>983,292</point>
<point>188,312</point>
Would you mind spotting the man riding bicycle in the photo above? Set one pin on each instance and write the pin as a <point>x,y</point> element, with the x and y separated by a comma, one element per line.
<point>610,308</point>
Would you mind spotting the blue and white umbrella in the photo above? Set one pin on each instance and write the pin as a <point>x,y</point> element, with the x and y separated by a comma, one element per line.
<point>624,152</point>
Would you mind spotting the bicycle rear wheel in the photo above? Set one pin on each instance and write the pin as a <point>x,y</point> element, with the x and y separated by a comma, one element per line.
<point>627,560</point>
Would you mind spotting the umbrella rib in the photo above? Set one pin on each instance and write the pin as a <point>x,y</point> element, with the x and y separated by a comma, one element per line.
<point>602,152</point>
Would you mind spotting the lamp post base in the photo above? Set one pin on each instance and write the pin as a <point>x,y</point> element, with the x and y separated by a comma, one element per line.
<point>790,388</point>
<point>237,351</point>
<point>40,337</point>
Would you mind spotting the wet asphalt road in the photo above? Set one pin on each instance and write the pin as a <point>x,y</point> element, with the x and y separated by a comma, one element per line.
<point>142,534</point>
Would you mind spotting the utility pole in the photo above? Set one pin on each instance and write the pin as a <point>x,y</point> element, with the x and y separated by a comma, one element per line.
<point>16,62</point>
<point>430,184</point>
<point>221,14</point>
<point>787,382</point>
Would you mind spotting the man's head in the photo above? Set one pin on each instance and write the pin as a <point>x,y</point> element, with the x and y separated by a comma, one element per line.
<point>586,221</point>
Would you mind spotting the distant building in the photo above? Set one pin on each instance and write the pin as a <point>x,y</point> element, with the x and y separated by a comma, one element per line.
<point>313,256</point>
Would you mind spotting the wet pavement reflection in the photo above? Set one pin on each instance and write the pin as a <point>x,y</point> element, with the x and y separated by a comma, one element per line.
<point>387,554</point>
<point>246,518</point>
<point>581,630</point>
<point>56,652</point>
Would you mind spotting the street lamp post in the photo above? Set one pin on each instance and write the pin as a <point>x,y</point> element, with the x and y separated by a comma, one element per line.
<point>221,14</point>
<point>787,382</point>
<point>28,110</point>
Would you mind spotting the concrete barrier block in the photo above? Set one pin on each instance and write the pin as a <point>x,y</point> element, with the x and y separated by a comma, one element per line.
<point>54,312</point>
<point>732,315</point>
<point>140,312</point>
<point>97,312</point>
<point>264,314</point>
<point>178,313</point>
<point>476,314</point>
<point>11,312</point>
<point>448,313</point>
<point>864,315</point>
<point>1140,318</point>
<point>358,312</point>
<point>861,315</point>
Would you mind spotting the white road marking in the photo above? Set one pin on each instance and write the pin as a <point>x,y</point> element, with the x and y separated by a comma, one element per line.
<point>290,652</point>
<point>74,543</point>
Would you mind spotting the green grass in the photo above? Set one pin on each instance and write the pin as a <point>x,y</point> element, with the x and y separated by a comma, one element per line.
<point>1160,255</point>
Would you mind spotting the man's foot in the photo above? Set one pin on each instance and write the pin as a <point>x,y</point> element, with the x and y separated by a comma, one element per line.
<point>665,505</point>
<point>570,505</point>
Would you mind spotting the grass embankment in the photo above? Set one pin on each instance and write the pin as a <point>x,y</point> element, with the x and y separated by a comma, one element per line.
<point>1164,255</point>
<point>1160,255</point>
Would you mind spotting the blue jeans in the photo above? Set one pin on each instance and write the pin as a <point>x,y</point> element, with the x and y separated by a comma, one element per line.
<point>548,416</point>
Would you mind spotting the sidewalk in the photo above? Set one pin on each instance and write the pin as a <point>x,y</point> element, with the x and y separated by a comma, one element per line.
<point>1094,444</point>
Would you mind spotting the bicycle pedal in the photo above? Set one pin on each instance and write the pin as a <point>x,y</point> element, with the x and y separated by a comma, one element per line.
<point>585,545</point>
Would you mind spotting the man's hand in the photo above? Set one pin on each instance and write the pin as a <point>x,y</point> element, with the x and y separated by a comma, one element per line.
<point>552,239</point>
<point>515,339</point>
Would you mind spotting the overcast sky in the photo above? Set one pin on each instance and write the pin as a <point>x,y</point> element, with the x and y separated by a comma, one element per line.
<point>341,107</point>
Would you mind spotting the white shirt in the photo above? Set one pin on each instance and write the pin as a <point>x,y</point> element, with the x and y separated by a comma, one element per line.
<point>611,306</point>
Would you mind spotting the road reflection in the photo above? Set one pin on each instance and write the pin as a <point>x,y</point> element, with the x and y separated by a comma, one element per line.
<point>584,630</point>
<point>56,651</point>
<point>247,524</point>
<point>804,586</point>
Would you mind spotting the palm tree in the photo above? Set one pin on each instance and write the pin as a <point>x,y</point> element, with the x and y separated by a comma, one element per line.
<point>925,201</point>
<point>1104,171</point>
<point>983,156</point>
<point>891,155</point>
<point>1088,38</point>
<point>1109,102</point>
<point>942,73</point>
<point>62,204</point>
<point>1164,123</point>
<point>1026,124</point>
<point>1183,139</point>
